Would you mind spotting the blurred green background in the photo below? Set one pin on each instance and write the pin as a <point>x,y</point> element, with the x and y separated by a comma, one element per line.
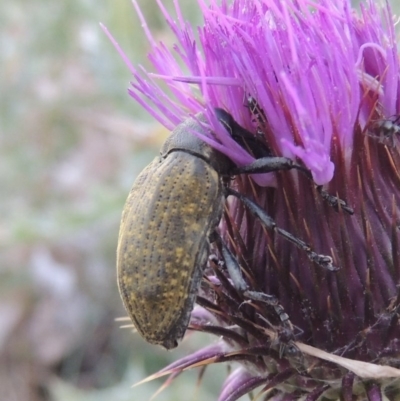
<point>71,143</point>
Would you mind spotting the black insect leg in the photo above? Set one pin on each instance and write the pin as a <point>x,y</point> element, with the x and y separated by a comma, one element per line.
<point>334,201</point>
<point>285,331</point>
<point>322,260</point>
<point>265,161</point>
<point>235,273</point>
<point>242,136</point>
<point>286,336</point>
<point>270,164</point>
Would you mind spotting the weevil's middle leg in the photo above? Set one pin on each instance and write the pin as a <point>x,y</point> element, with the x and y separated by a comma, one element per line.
<point>271,164</point>
<point>267,221</point>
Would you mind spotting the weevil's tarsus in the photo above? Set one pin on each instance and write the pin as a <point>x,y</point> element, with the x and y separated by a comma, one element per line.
<point>285,336</point>
<point>334,201</point>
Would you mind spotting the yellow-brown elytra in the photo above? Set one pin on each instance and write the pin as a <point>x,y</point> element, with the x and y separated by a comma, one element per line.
<point>169,221</point>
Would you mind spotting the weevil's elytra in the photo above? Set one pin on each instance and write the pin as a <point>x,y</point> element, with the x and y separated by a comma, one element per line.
<point>172,208</point>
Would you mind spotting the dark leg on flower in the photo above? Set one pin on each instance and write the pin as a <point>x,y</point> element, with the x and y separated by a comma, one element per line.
<point>261,120</point>
<point>285,335</point>
<point>233,267</point>
<point>334,201</point>
<point>265,162</point>
<point>270,164</point>
<point>322,260</point>
<point>246,139</point>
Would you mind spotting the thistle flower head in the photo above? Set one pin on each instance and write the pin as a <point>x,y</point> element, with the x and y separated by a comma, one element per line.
<point>316,82</point>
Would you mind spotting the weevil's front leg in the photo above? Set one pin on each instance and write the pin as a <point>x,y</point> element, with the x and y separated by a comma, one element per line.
<point>271,164</point>
<point>242,136</point>
<point>322,260</point>
<point>265,162</point>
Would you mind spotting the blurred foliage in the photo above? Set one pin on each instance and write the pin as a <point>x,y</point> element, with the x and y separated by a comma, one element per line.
<point>71,144</point>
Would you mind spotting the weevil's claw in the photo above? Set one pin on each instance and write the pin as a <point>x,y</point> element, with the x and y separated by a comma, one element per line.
<point>269,300</point>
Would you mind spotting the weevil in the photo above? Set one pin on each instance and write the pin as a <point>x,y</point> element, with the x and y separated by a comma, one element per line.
<point>171,211</point>
<point>259,119</point>
<point>167,226</point>
<point>386,131</point>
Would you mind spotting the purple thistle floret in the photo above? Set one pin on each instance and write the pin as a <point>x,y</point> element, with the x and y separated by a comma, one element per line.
<point>326,83</point>
<point>307,59</point>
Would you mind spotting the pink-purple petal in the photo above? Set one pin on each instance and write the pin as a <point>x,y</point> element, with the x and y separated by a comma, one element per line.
<point>238,383</point>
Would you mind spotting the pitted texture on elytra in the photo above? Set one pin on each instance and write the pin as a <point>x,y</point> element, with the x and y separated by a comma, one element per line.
<point>172,208</point>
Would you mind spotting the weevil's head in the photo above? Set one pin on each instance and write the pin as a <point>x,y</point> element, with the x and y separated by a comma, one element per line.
<point>184,139</point>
